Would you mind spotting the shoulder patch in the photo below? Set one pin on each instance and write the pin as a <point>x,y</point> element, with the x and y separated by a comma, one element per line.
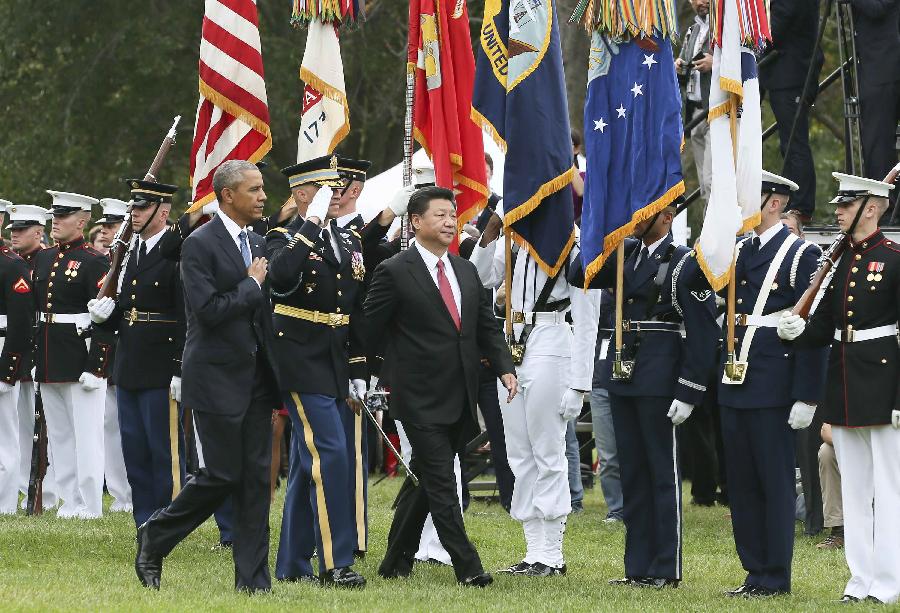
<point>22,286</point>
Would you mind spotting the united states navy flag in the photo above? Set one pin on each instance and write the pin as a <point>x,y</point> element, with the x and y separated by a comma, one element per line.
<point>633,136</point>
<point>520,97</point>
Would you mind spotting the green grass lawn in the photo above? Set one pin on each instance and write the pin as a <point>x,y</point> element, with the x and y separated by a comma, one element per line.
<point>50,564</point>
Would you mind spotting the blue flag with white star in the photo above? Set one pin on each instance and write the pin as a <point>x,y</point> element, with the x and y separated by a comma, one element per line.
<point>633,135</point>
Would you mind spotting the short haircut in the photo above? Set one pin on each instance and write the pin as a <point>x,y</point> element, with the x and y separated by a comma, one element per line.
<point>421,198</point>
<point>489,161</point>
<point>794,215</point>
<point>229,175</point>
<point>576,138</point>
<point>881,204</point>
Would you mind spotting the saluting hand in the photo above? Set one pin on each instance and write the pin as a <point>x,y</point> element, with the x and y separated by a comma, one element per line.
<point>511,384</point>
<point>258,269</point>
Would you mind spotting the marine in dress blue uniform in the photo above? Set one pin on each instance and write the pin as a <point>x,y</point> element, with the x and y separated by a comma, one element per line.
<point>778,394</point>
<point>149,317</point>
<point>317,281</point>
<point>661,300</point>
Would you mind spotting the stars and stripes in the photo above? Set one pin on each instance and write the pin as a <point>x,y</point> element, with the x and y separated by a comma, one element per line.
<point>233,112</point>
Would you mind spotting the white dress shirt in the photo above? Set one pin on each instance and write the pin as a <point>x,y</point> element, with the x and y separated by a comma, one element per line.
<point>769,234</point>
<point>234,231</point>
<point>651,249</point>
<point>135,249</point>
<point>431,262</point>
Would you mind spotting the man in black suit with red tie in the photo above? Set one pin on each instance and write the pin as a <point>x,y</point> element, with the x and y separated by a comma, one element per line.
<point>228,382</point>
<point>428,312</point>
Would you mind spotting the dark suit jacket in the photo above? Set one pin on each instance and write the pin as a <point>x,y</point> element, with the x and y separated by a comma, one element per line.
<point>431,368</point>
<point>877,25</point>
<point>794,26</point>
<point>229,319</point>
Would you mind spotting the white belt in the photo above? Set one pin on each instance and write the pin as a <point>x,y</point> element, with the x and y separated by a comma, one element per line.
<point>81,320</point>
<point>539,317</point>
<point>760,321</point>
<point>854,336</point>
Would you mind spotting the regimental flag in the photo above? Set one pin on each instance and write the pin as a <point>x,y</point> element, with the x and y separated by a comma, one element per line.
<point>633,136</point>
<point>325,114</point>
<point>520,97</point>
<point>440,57</point>
<point>233,112</point>
<point>736,162</point>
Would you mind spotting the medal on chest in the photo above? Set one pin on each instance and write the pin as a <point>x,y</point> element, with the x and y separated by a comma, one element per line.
<point>72,269</point>
<point>356,263</point>
<point>875,269</point>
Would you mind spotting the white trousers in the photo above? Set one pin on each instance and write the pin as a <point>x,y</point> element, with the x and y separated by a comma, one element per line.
<point>75,430</point>
<point>9,451</point>
<point>535,439</point>
<point>26,444</point>
<point>430,546</point>
<point>114,469</point>
<point>869,459</point>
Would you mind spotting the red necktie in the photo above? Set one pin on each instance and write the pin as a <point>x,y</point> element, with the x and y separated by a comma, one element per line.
<point>447,293</point>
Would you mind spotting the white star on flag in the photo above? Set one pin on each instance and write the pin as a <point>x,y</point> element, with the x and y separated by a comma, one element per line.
<point>637,90</point>
<point>649,61</point>
<point>599,125</point>
<point>621,110</point>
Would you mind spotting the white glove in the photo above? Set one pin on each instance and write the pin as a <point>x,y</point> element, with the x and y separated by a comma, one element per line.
<point>400,201</point>
<point>358,389</point>
<point>895,419</point>
<point>373,382</point>
<point>89,382</point>
<point>210,207</point>
<point>801,415</point>
<point>319,205</point>
<point>175,389</point>
<point>101,309</point>
<point>679,411</point>
<point>498,209</point>
<point>571,405</point>
<point>6,388</point>
<point>790,326</point>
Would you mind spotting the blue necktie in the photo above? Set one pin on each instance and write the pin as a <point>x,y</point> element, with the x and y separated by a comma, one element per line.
<point>245,248</point>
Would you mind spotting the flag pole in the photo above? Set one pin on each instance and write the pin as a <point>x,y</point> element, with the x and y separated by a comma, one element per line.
<point>622,369</point>
<point>734,370</point>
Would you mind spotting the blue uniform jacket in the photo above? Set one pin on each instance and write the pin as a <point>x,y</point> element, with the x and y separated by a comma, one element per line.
<point>778,373</point>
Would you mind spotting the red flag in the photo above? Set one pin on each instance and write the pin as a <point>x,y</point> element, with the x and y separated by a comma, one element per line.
<point>440,53</point>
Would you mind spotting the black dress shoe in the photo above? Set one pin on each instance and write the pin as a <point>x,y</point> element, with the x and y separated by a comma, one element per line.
<point>147,565</point>
<point>222,546</point>
<point>656,582</point>
<point>738,591</point>
<point>342,577</point>
<point>757,591</point>
<point>300,579</point>
<point>629,581</point>
<point>848,599</point>
<point>539,569</point>
<point>254,591</point>
<point>359,554</point>
<point>482,580</point>
<point>516,569</point>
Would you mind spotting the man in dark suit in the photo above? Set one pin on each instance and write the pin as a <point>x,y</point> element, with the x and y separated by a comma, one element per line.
<point>794,26</point>
<point>428,311</point>
<point>228,383</point>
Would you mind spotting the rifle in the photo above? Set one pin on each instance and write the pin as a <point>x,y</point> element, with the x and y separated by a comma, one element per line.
<point>39,460</point>
<point>830,258</point>
<point>118,250</point>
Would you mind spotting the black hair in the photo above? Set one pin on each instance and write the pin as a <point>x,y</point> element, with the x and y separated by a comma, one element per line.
<point>489,161</point>
<point>422,197</point>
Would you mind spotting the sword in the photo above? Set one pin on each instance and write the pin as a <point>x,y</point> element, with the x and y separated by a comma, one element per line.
<point>385,438</point>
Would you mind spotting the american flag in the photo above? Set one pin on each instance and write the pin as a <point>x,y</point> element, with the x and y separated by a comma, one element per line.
<point>233,112</point>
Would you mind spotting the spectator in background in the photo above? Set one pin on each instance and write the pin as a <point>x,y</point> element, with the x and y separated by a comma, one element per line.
<point>794,25</point>
<point>96,239</point>
<point>832,503</point>
<point>694,69</point>
<point>791,219</point>
<point>580,164</point>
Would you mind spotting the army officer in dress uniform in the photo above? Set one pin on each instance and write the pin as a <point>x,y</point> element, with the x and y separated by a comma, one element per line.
<point>777,395</point>
<point>858,317</point>
<point>316,270</point>
<point>72,357</point>
<point>149,316</point>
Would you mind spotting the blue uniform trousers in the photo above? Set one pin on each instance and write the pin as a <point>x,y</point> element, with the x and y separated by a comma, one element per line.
<point>317,508</point>
<point>355,433</point>
<point>759,457</point>
<point>651,485</point>
<point>152,446</point>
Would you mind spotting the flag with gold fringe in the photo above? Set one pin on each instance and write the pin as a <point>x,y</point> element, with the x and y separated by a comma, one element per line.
<point>735,132</point>
<point>325,114</point>
<point>632,122</point>
<point>520,97</point>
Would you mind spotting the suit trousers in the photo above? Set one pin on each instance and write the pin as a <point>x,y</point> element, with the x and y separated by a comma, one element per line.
<point>224,515</point>
<point>607,454</point>
<point>26,434</point>
<point>870,486</point>
<point>651,485</point>
<point>879,110</point>
<point>808,440</point>
<point>114,461</point>
<point>318,512</point>
<point>153,459</point>
<point>75,432</point>
<point>830,478</point>
<point>357,441</point>
<point>237,450</point>
<point>435,447</point>
<point>798,164</point>
<point>9,451</point>
<point>759,454</point>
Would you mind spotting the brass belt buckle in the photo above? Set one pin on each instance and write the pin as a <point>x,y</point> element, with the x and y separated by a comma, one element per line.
<point>848,335</point>
<point>627,326</point>
<point>518,317</point>
<point>131,316</point>
<point>334,319</point>
<point>740,319</point>
<point>735,371</point>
